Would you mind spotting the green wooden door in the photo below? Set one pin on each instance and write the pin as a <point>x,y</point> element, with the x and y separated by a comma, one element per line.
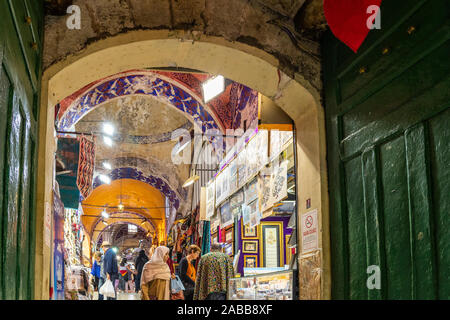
<point>21,25</point>
<point>388,131</point>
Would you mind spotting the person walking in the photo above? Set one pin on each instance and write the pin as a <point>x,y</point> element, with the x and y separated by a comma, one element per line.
<point>96,268</point>
<point>187,271</point>
<point>110,265</point>
<point>155,281</point>
<point>141,260</point>
<point>215,269</point>
<point>123,275</point>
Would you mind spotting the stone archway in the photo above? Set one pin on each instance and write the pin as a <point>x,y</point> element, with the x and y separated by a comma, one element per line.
<point>236,61</point>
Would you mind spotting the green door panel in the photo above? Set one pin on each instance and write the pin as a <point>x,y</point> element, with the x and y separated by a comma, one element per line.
<point>439,150</point>
<point>20,74</point>
<point>5,90</point>
<point>388,142</point>
<point>12,186</point>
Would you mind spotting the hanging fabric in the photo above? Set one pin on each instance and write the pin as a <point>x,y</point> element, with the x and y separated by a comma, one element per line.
<point>86,165</point>
<point>206,243</point>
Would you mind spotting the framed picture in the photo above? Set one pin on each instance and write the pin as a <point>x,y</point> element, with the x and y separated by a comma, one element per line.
<point>226,216</point>
<point>233,173</point>
<point>236,202</point>
<point>249,232</point>
<point>278,190</point>
<point>218,188</point>
<point>225,183</point>
<point>265,184</point>
<point>210,198</point>
<point>241,169</point>
<point>263,144</point>
<point>250,261</point>
<point>214,238</point>
<point>255,214</point>
<point>228,249</point>
<point>251,191</point>
<point>272,244</point>
<point>229,235</point>
<point>250,246</point>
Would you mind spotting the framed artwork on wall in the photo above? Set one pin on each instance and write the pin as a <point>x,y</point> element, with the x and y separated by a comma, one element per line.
<point>250,246</point>
<point>229,235</point>
<point>233,176</point>
<point>218,188</point>
<point>226,216</point>
<point>255,214</point>
<point>251,261</point>
<point>278,190</point>
<point>236,202</point>
<point>272,244</point>
<point>214,238</point>
<point>241,169</point>
<point>245,214</point>
<point>251,191</point>
<point>249,232</point>
<point>210,198</point>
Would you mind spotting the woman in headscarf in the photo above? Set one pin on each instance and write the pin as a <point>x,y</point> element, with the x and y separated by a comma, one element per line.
<point>155,280</point>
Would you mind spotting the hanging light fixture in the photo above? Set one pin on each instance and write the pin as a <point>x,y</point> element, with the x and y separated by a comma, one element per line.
<point>120,206</point>
<point>107,165</point>
<point>108,129</point>
<point>105,179</point>
<point>105,214</point>
<point>191,180</point>
<point>104,222</point>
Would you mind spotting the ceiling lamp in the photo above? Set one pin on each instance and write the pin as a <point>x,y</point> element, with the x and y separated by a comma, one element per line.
<point>105,214</point>
<point>108,129</point>
<point>120,207</point>
<point>105,179</point>
<point>108,141</point>
<point>107,165</point>
<point>190,181</point>
<point>213,87</point>
<point>104,222</point>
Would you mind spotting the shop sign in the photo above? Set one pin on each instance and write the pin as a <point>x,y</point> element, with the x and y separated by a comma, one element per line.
<point>310,231</point>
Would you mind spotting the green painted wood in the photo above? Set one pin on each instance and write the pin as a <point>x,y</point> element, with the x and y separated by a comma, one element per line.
<point>439,137</point>
<point>388,150</point>
<point>419,195</point>
<point>20,74</point>
<point>11,213</point>
<point>373,219</point>
<point>5,90</point>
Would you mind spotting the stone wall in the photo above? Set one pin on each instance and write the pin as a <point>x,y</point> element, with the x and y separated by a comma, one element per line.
<point>263,24</point>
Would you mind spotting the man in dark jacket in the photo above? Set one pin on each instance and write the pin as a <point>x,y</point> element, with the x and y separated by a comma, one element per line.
<point>139,264</point>
<point>110,265</point>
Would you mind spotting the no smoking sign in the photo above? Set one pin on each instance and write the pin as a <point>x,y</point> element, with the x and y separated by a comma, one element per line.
<point>309,231</point>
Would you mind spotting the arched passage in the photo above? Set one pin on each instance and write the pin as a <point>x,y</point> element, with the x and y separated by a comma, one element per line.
<point>238,62</point>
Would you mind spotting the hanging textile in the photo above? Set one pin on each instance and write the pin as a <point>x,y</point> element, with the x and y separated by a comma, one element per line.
<point>206,240</point>
<point>86,166</point>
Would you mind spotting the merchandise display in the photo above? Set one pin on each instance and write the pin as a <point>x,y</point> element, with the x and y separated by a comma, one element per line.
<point>272,286</point>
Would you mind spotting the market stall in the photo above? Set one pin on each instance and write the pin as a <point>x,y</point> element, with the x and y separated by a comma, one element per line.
<point>251,207</point>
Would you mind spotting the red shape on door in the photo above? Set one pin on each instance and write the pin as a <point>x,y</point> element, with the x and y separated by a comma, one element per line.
<point>348,20</point>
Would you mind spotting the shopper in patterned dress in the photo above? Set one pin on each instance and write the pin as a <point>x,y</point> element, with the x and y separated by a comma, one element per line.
<point>214,271</point>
